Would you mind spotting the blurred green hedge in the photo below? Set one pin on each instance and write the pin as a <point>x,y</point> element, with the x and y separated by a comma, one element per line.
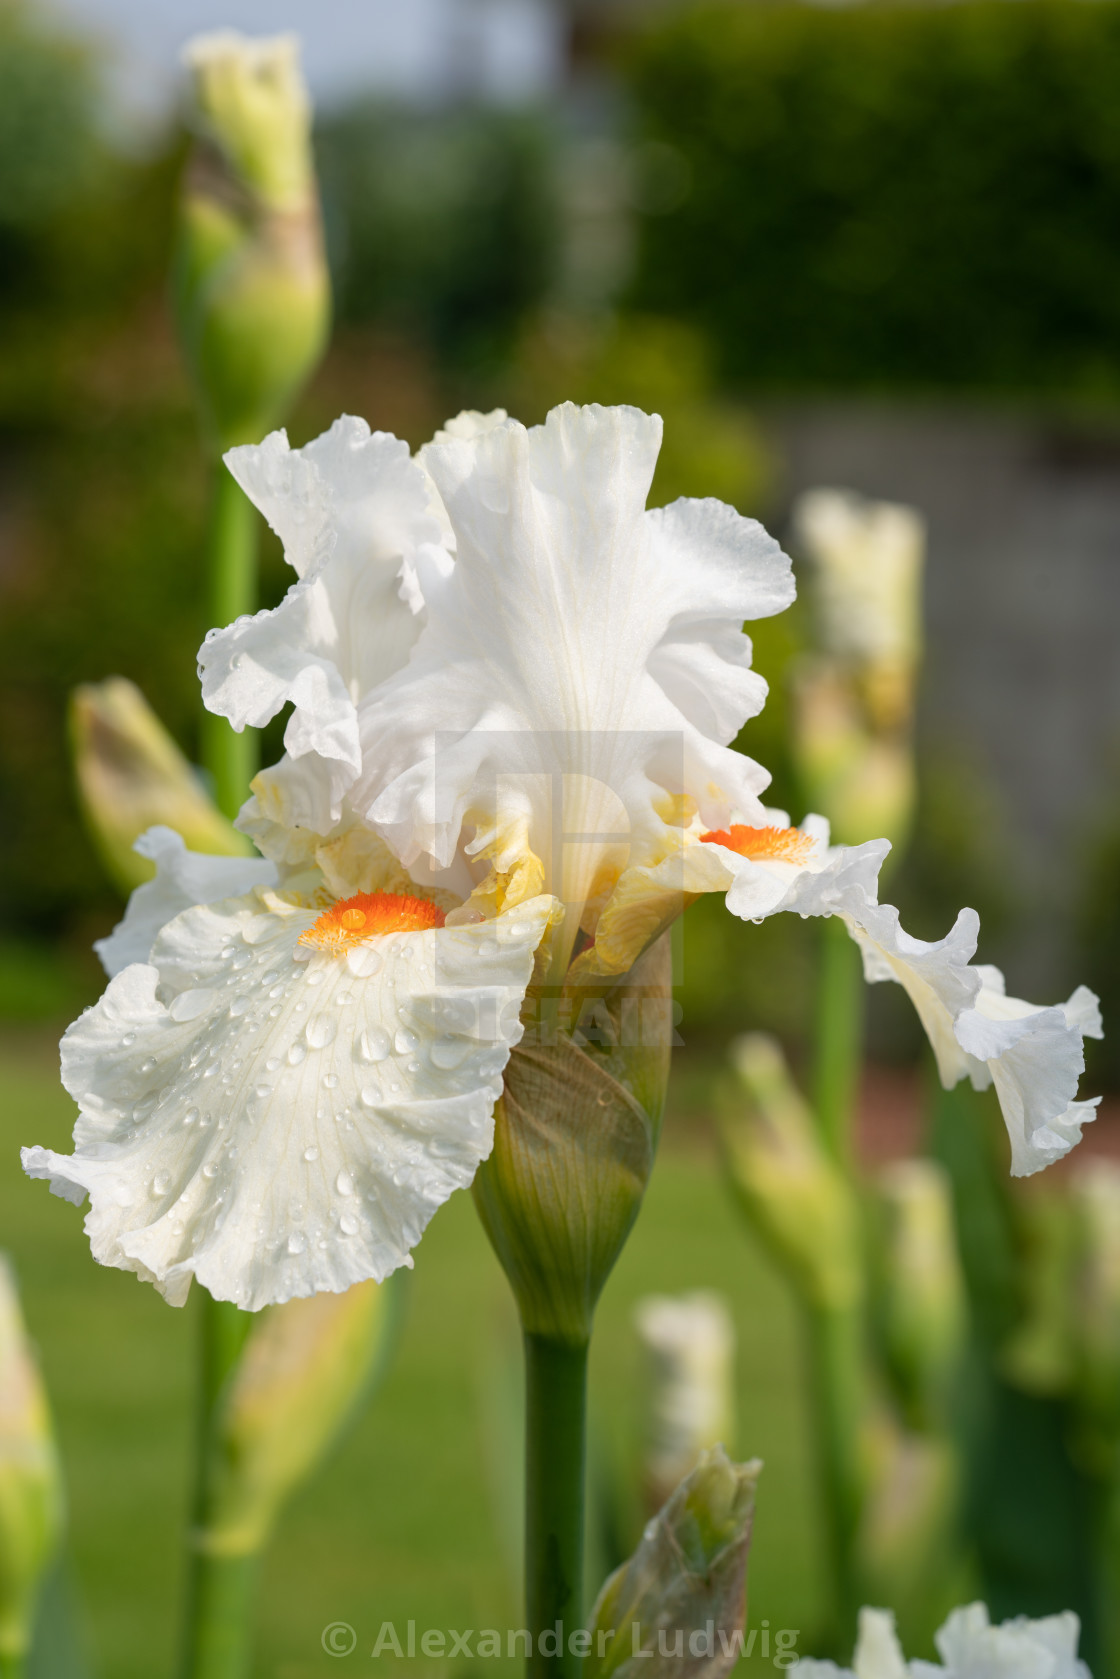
<point>889,195</point>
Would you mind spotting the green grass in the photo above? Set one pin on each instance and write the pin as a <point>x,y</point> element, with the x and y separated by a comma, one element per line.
<point>406,1520</point>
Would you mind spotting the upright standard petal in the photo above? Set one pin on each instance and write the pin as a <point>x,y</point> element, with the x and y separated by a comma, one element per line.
<point>584,665</point>
<point>972,1648</point>
<point>280,1100</point>
<point>183,878</point>
<point>357,518</point>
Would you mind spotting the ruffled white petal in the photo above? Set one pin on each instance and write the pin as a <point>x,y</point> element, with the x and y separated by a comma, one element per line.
<point>357,519</point>
<point>1034,1056</point>
<point>584,658</point>
<point>183,878</point>
<point>972,1648</point>
<point>878,1654</point>
<point>280,1127</point>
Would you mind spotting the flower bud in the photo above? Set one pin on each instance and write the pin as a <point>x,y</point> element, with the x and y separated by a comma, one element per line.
<point>854,699</point>
<point>30,1479</point>
<point>575,1132</point>
<point>924,1313</point>
<point>252,290</point>
<point>132,777</point>
<point>1096,1195</point>
<point>793,1192</point>
<point>679,1604</point>
<point>689,1341</point>
<point>305,1367</point>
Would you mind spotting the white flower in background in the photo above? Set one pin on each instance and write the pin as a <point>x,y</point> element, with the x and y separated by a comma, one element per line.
<point>689,1341</point>
<point>969,1646</point>
<point>280,1093</point>
<point>583,670</point>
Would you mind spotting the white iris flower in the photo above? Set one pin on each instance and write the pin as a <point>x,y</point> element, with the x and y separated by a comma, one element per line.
<point>509,761</point>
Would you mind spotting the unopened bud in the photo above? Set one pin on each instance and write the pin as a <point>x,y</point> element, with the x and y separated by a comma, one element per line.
<point>252,292</point>
<point>924,1318</point>
<point>30,1479</point>
<point>854,699</point>
<point>575,1132</point>
<point>132,777</point>
<point>689,1340</point>
<point>679,1604</point>
<point>1096,1194</point>
<point>304,1368</point>
<point>795,1195</point>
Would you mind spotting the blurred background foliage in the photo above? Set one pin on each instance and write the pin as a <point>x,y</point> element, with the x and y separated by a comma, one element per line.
<point>886,198</point>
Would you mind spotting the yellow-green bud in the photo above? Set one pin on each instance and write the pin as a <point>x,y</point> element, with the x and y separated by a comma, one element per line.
<point>132,776</point>
<point>924,1311</point>
<point>252,290</point>
<point>575,1132</point>
<point>794,1193</point>
<point>31,1510</point>
<point>689,1342</point>
<point>304,1368</point>
<point>1096,1302</point>
<point>854,699</point>
<point>679,1604</point>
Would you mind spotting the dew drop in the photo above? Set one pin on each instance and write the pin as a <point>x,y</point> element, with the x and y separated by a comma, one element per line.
<point>238,1007</point>
<point>344,998</point>
<point>320,1030</point>
<point>311,1153</point>
<point>296,1054</point>
<point>227,952</point>
<point>449,1052</point>
<point>262,1090</point>
<point>190,1116</point>
<point>148,1065</point>
<point>465,916</point>
<point>374,1045</point>
<point>405,1042</point>
<point>330,1081</point>
<point>371,1097</point>
<point>315,976</point>
<point>363,961</point>
<point>276,991</point>
<point>344,1183</point>
<point>270,978</point>
<point>297,1241</point>
<point>274,1011</point>
<point>242,959</point>
<point>189,1005</point>
<point>348,1224</point>
<point>414,1066</point>
<point>129,1038</point>
<point>161,1183</point>
<point>209,1170</point>
<point>272,1063</point>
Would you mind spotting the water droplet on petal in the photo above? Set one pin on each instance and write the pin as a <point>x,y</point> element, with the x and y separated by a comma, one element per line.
<point>148,1065</point>
<point>414,1066</point>
<point>209,1170</point>
<point>348,1224</point>
<point>190,1116</point>
<point>297,1241</point>
<point>465,916</point>
<point>296,1054</point>
<point>311,1153</point>
<point>371,1097</point>
<point>129,1038</point>
<point>161,1183</point>
<point>261,1091</point>
<point>314,976</point>
<point>405,1042</point>
<point>363,961</point>
<point>320,1030</point>
<point>189,1005</point>
<point>330,1081</point>
<point>272,1063</point>
<point>449,1052</point>
<point>374,1045</point>
<point>239,1006</point>
<point>344,1183</point>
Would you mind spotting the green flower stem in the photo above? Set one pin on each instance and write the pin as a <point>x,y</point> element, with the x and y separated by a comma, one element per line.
<point>231,759</point>
<point>555,1476</point>
<point>219,1589</point>
<point>12,1667</point>
<point>839,1397</point>
<point>220,1620</point>
<point>839,1038</point>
